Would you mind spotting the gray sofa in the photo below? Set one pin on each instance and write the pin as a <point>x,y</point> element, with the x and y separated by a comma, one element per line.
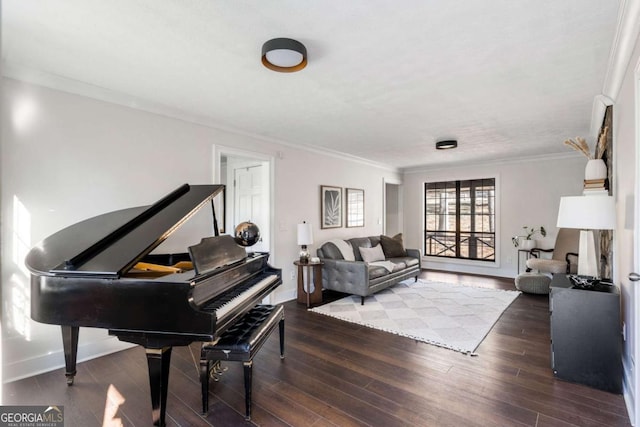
<point>362,278</point>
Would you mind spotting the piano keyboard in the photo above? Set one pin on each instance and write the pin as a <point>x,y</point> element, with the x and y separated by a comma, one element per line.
<point>228,302</point>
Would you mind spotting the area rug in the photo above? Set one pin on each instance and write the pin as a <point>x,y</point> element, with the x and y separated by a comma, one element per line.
<point>448,315</point>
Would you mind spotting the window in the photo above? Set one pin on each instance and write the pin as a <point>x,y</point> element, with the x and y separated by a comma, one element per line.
<point>460,219</point>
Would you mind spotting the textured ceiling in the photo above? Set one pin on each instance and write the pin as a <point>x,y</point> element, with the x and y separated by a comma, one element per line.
<point>385,79</point>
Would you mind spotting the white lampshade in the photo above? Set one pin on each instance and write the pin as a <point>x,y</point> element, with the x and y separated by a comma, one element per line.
<point>591,212</point>
<point>305,234</point>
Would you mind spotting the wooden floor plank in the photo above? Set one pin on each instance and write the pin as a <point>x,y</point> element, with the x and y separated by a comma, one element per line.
<point>339,374</point>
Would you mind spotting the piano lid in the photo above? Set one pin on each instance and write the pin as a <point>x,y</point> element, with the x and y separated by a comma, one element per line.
<point>108,245</point>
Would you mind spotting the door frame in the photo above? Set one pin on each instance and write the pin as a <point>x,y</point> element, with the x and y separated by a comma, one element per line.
<point>220,151</point>
<point>234,166</point>
<point>634,286</point>
<point>398,183</point>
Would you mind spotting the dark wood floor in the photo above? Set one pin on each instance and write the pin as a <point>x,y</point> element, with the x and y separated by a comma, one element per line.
<point>338,374</point>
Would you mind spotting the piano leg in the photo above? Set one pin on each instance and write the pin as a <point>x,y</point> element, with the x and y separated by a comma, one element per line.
<point>159,361</point>
<point>204,382</point>
<point>248,371</point>
<point>70,346</point>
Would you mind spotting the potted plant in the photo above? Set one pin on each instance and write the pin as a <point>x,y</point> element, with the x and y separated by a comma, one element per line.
<point>526,241</point>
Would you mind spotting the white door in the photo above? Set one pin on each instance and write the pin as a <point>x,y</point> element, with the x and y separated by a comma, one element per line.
<point>627,165</point>
<point>250,203</point>
<point>633,274</point>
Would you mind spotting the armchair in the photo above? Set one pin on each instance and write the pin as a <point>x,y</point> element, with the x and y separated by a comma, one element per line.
<point>564,258</point>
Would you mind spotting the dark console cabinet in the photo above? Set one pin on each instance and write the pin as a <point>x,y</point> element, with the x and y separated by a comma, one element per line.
<point>586,338</point>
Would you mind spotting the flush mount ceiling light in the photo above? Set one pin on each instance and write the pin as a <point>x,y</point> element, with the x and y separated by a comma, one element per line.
<point>284,55</point>
<point>445,145</point>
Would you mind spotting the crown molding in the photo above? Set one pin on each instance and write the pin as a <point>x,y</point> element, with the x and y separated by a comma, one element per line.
<point>598,110</point>
<point>496,162</point>
<point>51,81</point>
<point>627,31</point>
<point>624,41</point>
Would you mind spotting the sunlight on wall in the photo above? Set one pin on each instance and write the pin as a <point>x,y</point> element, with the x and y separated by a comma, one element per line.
<point>24,113</point>
<point>19,314</point>
<point>17,303</point>
<point>21,234</point>
<point>114,401</point>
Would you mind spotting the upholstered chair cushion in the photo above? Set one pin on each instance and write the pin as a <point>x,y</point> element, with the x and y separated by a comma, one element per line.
<point>567,242</point>
<point>547,265</point>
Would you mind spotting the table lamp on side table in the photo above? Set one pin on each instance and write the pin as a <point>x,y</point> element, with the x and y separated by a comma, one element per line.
<point>305,237</point>
<point>588,213</point>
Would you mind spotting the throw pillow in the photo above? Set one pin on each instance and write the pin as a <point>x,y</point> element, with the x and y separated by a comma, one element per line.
<point>372,254</point>
<point>393,246</point>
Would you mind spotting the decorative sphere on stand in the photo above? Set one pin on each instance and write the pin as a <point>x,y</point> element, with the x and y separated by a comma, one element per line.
<point>247,234</point>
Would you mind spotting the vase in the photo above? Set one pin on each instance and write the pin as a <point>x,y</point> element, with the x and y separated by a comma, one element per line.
<point>528,244</point>
<point>595,169</point>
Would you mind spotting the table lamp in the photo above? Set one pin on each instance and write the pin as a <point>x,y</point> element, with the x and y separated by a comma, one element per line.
<point>305,237</point>
<point>588,213</point>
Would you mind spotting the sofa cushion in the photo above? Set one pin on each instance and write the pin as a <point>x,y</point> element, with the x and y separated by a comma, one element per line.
<point>376,271</point>
<point>393,246</point>
<point>407,261</point>
<point>398,264</point>
<point>372,254</point>
<point>357,243</point>
<point>337,249</point>
<point>331,251</point>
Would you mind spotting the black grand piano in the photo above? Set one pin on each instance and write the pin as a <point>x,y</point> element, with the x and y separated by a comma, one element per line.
<point>100,273</point>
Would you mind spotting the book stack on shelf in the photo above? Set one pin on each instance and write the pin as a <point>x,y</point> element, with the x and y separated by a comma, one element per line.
<point>595,186</point>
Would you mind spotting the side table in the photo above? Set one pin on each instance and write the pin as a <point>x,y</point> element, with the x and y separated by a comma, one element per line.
<point>527,255</point>
<point>305,281</point>
<point>586,335</point>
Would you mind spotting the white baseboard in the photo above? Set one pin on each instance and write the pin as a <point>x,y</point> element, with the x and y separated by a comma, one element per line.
<point>628,393</point>
<point>55,360</point>
<point>280,297</point>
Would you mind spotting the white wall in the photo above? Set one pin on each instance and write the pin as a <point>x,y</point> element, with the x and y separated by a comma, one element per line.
<point>67,157</point>
<point>528,194</point>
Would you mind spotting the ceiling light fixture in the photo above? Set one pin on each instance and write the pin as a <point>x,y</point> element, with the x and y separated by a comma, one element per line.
<point>445,145</point>
<point>284,55</point>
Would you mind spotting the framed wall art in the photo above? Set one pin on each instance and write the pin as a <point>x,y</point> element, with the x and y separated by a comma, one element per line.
<point>606,236</point>
<point>330,206</point>
<point>354,207</point>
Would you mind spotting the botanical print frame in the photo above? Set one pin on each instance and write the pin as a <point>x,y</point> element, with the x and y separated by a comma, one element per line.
<point>330,206</point>
<point>354,207</point>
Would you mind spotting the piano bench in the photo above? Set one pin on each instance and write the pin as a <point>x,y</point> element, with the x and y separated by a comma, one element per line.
<point>240,343</point>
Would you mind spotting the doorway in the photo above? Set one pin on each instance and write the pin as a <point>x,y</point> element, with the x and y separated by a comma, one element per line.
<point>392,208</point>
<point>248,180</point>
